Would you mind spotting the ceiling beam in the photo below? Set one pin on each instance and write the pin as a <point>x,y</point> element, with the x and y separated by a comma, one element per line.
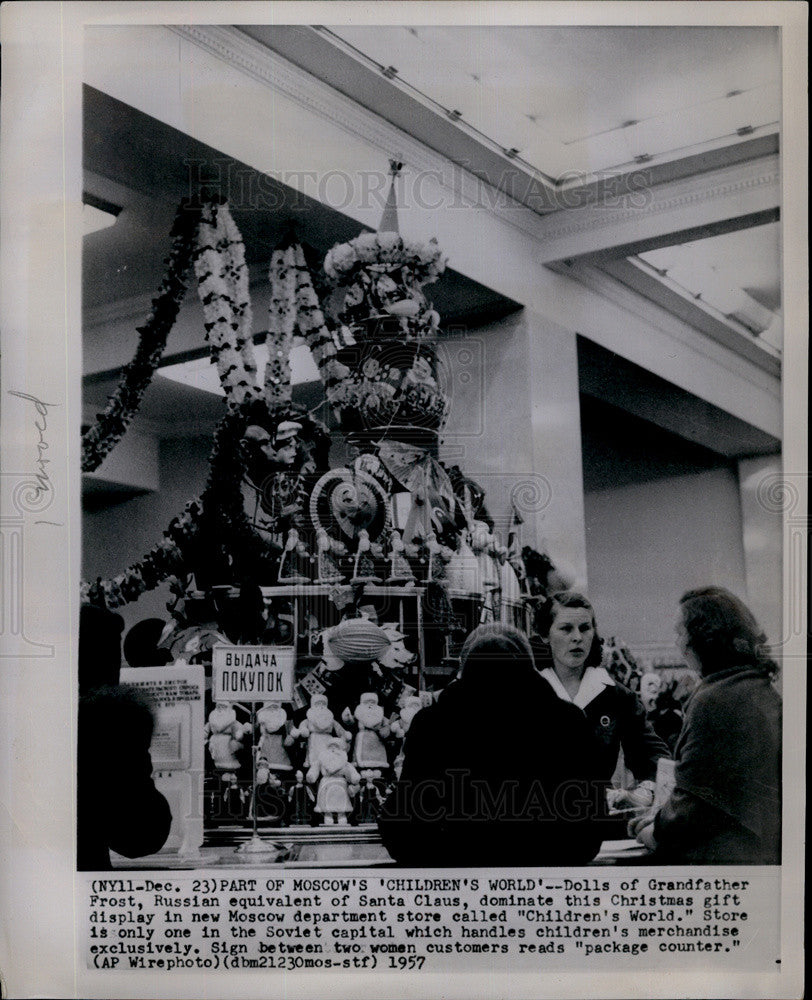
<point>645,218</point>
<point>723,329</point>
<point>609,377</point>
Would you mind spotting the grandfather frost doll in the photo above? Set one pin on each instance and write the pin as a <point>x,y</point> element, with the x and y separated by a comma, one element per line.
<point>337,779</point>
<point>370,751</point>
<point>318,727</point>
<point>225,736</point>
<point>402,721</point>
<point>275,735</point>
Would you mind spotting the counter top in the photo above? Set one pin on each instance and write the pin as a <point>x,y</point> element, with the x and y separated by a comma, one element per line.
<point>313,847</point>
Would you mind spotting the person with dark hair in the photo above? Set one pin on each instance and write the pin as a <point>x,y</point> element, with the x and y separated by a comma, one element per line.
<point>725,807</point>
<point>141,644</point>
<point>572,651</point>
<point>118,806</point>
<point>497,770</point>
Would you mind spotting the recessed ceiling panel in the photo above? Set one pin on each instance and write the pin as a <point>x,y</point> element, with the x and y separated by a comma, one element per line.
<point>586,99</point>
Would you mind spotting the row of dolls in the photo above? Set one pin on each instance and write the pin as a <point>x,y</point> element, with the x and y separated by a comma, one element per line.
<point>480,565</point>
<point>320,744</point>
<point>343,794</point>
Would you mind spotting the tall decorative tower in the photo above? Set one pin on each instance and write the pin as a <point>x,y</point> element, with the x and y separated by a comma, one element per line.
<point>388,330</point>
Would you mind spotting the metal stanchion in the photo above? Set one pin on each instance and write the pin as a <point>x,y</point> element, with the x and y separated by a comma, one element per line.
<point>257,849</point>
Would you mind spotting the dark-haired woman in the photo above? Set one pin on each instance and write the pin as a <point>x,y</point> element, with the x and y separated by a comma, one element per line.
<point>572,650</point>
<point>726,804</point>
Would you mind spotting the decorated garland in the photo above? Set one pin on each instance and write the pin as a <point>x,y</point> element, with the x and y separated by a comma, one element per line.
<point>281,324</point>
<point>295,306</point>
<point>423,262</point>
<point>223,288</point>
<point>224,522</point>
<point>167,558</point>
<point>100,439</point>
<point>315,332</point>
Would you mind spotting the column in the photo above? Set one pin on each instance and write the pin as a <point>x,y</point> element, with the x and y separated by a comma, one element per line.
<point>514,427</point>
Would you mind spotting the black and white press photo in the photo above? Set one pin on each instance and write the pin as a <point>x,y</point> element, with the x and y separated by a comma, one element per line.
<point>427,455</point>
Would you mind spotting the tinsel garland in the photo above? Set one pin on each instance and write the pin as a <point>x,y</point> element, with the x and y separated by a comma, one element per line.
<point>100,439</point>
<point>281,324</point>
<point>313,329</point>
<point>222,277</point>
<point>168,558</point>
<point>294,306</point>
<point>224,522</point>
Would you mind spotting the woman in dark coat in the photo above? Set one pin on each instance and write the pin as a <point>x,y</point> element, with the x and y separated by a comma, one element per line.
<point>497,771</point>
<point>118,806</point>
<point>725,807</point>
<point>615,714</point>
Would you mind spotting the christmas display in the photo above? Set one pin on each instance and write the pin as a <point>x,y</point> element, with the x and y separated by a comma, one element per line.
<point>369,574</point>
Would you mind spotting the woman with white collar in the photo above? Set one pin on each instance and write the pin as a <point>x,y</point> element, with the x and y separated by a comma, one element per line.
<point>566,624</point>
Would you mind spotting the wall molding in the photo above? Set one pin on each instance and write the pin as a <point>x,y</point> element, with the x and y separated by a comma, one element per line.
<point>726,330</point>
<point>709,200</point>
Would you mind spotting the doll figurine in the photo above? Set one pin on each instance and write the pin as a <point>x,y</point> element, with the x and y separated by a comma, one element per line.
<point>370,798</point>
<point>300,802</point>
<point>402,720</point>
<point>364,568</point>
<point>370,751</point>
<point>510,586</point>
<point>329,552</point>
<point>318,727</point>
<point>400,572</point>
<point>294,561</point>
<point>337,780</point>
<point>483,545</point>
<point>267,797</point>
<point>274,737</point>
<point>400,726</point>
<point>225,737</point>
<point>463,569</point>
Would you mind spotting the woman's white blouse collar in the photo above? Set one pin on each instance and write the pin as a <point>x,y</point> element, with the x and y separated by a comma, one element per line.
<point>594,681</point>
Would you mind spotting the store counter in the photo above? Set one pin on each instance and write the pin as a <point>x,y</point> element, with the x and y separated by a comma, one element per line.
<point>312,847</point>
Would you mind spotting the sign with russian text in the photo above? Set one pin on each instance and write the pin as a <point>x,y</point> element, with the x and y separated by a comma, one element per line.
<point>252,673</point>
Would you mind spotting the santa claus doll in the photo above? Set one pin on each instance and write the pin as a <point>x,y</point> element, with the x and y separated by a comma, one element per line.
<point>373,729</point>
<point>318,727</point>
<point>225,735</point>
<point>275,736</point>
<point>400,726</point>
<point>337,780</point>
